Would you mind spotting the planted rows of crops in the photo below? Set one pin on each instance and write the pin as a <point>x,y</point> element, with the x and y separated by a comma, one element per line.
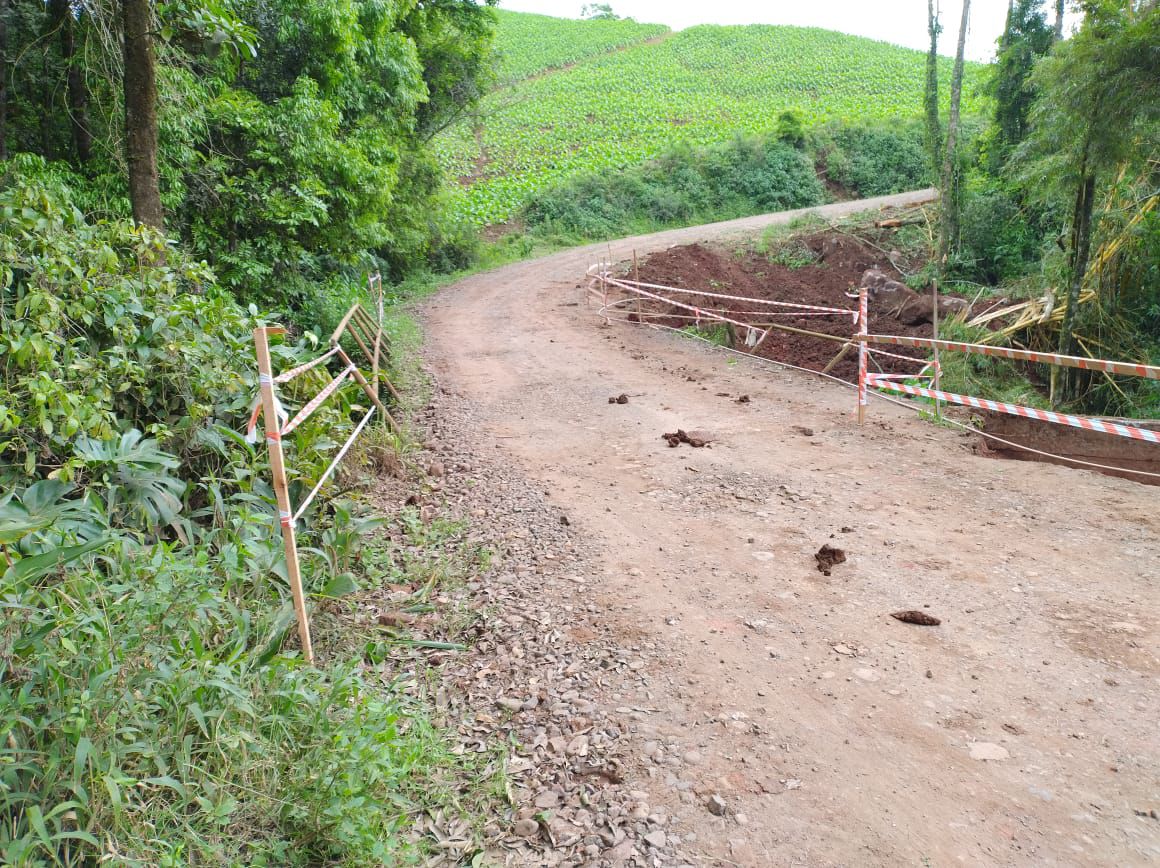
<point>528,44</point>
<point>703,85</point>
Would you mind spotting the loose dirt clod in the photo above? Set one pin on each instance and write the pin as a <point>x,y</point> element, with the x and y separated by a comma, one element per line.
<point>744,399</point>
<point>622,398</point>
<point>914,616</point>
<point>696,439</point>
<point>827,556</point>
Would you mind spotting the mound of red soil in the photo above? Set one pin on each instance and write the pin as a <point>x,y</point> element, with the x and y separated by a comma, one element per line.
<point>825,283</point>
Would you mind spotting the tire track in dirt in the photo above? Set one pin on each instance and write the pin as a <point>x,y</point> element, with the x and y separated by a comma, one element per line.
<point>1020,731</point>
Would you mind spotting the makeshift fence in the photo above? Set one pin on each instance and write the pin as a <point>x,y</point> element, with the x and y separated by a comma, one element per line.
<point>625,302</point>
<point>1103,426</point>
<point>755,317</point>
<point>367,333</point>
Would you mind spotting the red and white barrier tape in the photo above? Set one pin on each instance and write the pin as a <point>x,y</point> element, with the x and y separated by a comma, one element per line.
<point>1102,427</point>
<point>1127,368</point>
<point>875,352</point>
<point>698,313</point>
<point>315,402</point>
<point>287,376</point>
<point>333,464</point>
<point>632,285</point>
<point>280,413</point>
<point>900,376</point>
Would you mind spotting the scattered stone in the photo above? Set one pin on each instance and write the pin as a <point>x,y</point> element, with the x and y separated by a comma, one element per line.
<point>547,799</point>
<point>914,616</point>
<point>618,399</point>
<point>744,399</point>
<point>526,828</point>
<point>396,619</point>
<point>716,806</point>
<point>509,704</point>
<point>827,557</point>
<point>436,470</point>
<point>845,650</point>
<point>656,839</point>
<point>986,750</point>
<point>867,675</point>
<point>804,431</point>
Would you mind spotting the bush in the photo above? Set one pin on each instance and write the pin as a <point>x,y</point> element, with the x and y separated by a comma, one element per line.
<point>148,714</point>
<point>998,241</point>
<point>875,160</point>
<point>681,187</point>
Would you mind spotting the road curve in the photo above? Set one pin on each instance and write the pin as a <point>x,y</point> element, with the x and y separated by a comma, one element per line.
<point>1021,731</point>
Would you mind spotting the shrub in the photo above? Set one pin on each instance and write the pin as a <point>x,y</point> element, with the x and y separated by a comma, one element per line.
<point>875,160</point>
<point>997,241</point>
<point>683,186</point>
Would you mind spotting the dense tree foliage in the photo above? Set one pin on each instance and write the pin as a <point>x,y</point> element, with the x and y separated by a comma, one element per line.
<point>284,140</point>
<point>1026,38</point>
<point>1062,186</point>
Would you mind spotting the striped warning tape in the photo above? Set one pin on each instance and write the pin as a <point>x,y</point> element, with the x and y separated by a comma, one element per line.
<point>874,352</point>
<point>287,376</point>
<point>1128,368</point>
<point>1103,427</point>
<point>315,402</point>
<point>633,285</point>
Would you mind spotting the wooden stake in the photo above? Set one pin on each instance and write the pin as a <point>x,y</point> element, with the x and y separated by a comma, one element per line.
<point>281,490</point>
<point>934,324</point>
<point>863,352</point>
<point>636,277</point>
<point>342,323</point>
<point>379,375</point>
<point>834,361</point>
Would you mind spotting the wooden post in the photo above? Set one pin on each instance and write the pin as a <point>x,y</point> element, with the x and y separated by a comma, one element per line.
<point>863,351</point>
<point>934,323</point>
<point>281,490</point>
<point>834,361</point>
<point>636,277</point>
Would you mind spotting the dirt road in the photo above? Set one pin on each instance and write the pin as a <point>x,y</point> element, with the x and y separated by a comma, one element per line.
<point>1021,731</point>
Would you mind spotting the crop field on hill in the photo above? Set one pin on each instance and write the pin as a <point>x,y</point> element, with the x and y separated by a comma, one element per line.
<point>702,85</point>
<point>528,44</point>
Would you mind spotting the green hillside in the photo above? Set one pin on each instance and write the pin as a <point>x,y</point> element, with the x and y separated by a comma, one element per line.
<point>702,85</point>
<point>528,44</point>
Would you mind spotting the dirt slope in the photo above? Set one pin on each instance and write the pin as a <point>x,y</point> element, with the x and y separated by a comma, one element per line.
<point>1021,731</point>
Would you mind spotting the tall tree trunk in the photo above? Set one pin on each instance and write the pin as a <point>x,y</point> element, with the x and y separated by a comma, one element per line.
<point>930,98</point>
<point>1081,244</point>
<point>140,83</point>
<point>950,174</point>
<point>46,106</point>
<point>3,79</point>
<point>1058,20</point>
<point>78,95</point>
